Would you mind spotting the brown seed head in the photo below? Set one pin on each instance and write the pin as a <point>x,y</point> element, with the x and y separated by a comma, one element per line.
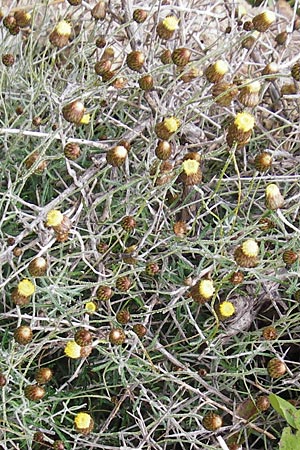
<point>262,403</point>
<point>295,71</point>
<point>128,223</point>
<point>9,22</point>
<point>140,330</point>
<point>263,161</point>
<point>72,151</point>
<point>237,278</point>
<point>123,316</point>
<point>269,333</point>
<point>43,375</point>
<point>23,335</point>
<point>100,41</point>
<point>99,10</point>
<point>152,269</point>
<point>23,18</point>
<point>58,445</point>
<point>290,257</point>
<point>3,380</point>
<point>276,368</point>
<point>146,82</point>
<point>181,56</point>
<point>263,21</point>
<point>139,15</point>
<point>34,392</point>
<point>104,293</point>
<point>116,156</point>
<point>166,57</point>
<point>180,228</point>
<point>135,60</point>
<point>103,66</point>
<point>83,337</point>
<point>163,150</point>
<point>212,421</point>
<point>123,284</point>
<point>37,266</point>
<point>31,160</point>
<point>8,59</point>
<point>224,93</point>
<point>73,112</point>
<point>117,336</point>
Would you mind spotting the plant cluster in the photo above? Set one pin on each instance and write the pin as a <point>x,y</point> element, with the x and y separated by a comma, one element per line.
<point>149,223</point>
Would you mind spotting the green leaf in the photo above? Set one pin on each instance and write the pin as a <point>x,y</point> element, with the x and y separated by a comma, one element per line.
<point>286,410</point>
<point>289,440</point>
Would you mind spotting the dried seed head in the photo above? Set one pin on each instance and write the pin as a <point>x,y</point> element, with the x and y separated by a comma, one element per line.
<point>83,337</point>
<point>249,41</point>
<point>102,247</point>
<point>9,22</point>
<point>23,18</point>
<point>38,437</point>
<point>276,368</point>
<point>60,35</point>
<point>139,15</point>
<point>216,71</point>
<point>72,151</point>
<point>290,257</point>
<point>180,228</point>
<point>295,71</point>
<point>34,392</point>
<point>262,403</point>
<point>73,112</point>
<point>37,267</point>
<point>14,30</point>
<point>146,82</point>
<point>99,10</point>
<point>181,56</point>
<point>100,41</point>
<point>116,156</point>
<point>289,89</point>
<point>263,161</point>
<point>128,223</point>
<point>273,197</point>
<point>270,69</point>
<point>123,284</point>
<point>163,150</point>
<point>269,333</point>
<point>248,25</point>
<point>191,172</point>
<point>246,255</point>
<point>23,335</point>
<point>225,310</point>
<point>123,316</point>
<point>263,21</point>
<point>43,375</point>
<point>117,336</point>
<point>212,421</point>
<point>189,75</point>
<point>104,293</point>
<point>224,93</point>
<point>8,59</point>
<point>140,330</point>
<point>135,60</point>
<point>152,269</point>
<point>237,278</point>
<point>166,57</point>
<point>103,66</point>
<point>249,95</point>
<point>266,223</point>
<point>83,423</point>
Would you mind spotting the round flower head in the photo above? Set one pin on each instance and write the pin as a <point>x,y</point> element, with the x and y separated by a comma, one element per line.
<point>90,307</point>
<point>226,309</point>
<point>250,248</point>
<point>26,287</point>
<point>170,23</point>
<point>254,86</point>
<point>221,67</point>
<point>73,350</point>
<point>63,28</point>
<point>206,289</point>
<point>171,124</point>
<point>274,199</point>
<point>190,166</point>
<point>83,423</point>
<point>244,122</point>
<point>54,218</point>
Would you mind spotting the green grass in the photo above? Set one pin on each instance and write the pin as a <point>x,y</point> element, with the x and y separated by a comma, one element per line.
<point>150,392</point>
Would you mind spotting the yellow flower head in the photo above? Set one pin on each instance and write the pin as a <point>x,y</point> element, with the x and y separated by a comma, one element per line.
<point>190,166</point>
<point>226,309</point>
<point>206,289</point>
<point>54,218</point>
<point>90,307</point>
<point>268,17</point>
<point>244,121</point>
<point>83,420</point>
<point>171,124</point>
<point>221,67</point>
<point>272,190</point>
<point>171,23</point>
<point>85,119</point>
<point>254,87</point>
<point>26,287</point>
<point>63,28</point>
<point>73,350</point>
<point>250,248</point>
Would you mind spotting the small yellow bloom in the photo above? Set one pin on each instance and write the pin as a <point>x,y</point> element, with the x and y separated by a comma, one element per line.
<point>63,28</point>
<point>26,288</point>
<point>171,124</point>
<point>190,166</point>
<point>250,248</point>
<point>171,23</point>
<point>206,289</point>
<point>268,16</point>
<point>226,309</point>
<point>254,87</point>
<point>54,218</point>
<point>85,119</point>
<point>83,420</point>
<point>244,121</point>
<point>90,307</point>
<point>272,190</point>
<point>73,350</point>
<point>221,67</point>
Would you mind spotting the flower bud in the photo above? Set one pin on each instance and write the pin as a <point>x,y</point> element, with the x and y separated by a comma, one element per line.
<point>263,21</point>
<point>246,255</point>
<point>116,156</point>
<point>117,336</point>
<point>60,35</point>
<point>273,198</point>
<point>216,71</point>
<point>73,112</point>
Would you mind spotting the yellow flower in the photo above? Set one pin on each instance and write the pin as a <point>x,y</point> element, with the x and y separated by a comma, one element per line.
<point>226,309</point>
<point>26,288</point>
<point>274,199</point>
<point>221,67</point>
<point>84,423</point>
<point>171,23</point>
<point>254,87</point>
<point>244,121</point>
<point>85,119</point>
<point>73,350</point>
<point>206,289</point>
<point>190,166</point>
<point>268,17</point>
<point>90,307</point>
<point>54,218</point>
<point>250,248</point>
<point>171,124</point>
<point>63,28</point>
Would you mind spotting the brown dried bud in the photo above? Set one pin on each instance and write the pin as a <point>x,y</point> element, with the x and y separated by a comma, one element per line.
<point>263,161</point>
<point>37,266</point>
<point>237,278</point>
<point>163,150</point>
<point>281,38</point>
<point>99,10</point>
<point>146,82</point>
<point>100,42</point>
<point>72,151</point>
<point>180,228</point>
<point>225,93</point>
<point>117,336</point>
<point>58,445</point>
<point>263,21</point>
<point>181,56</point>
<point>295,71</point>
<point>212,421</point>
<point>123,316</point>
<point>32,159</point>
<point>116,156</point>
<point>104,293</point>
<point>270,69</point>
<point>166,57</point>
<point>103,66</point>
<point>290,257</point>
<point>248,42</point>
<point>216,71</point>
<point>73,112</point>
<point>9,22</point>
<point>276,368</point>
<point>140,330</point>
<point>3,380</point>
<point>135,60</point>
<point>262,403</point>
<point>266,224</point>
<point>23,18</point>
<point>8,59</point>
<point>269,333</point>
<point>248,25</point>
<point>75,2</point>
<point>34,392</point>
<point>289,89</point>
<point>128,223</point>
<point>123,284</point>
<point>189,75</point>
<point>43,375</point>
<point>139,15</point>
<point>83,337</point>
<point>23,335</point>
<point>152,269</point>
